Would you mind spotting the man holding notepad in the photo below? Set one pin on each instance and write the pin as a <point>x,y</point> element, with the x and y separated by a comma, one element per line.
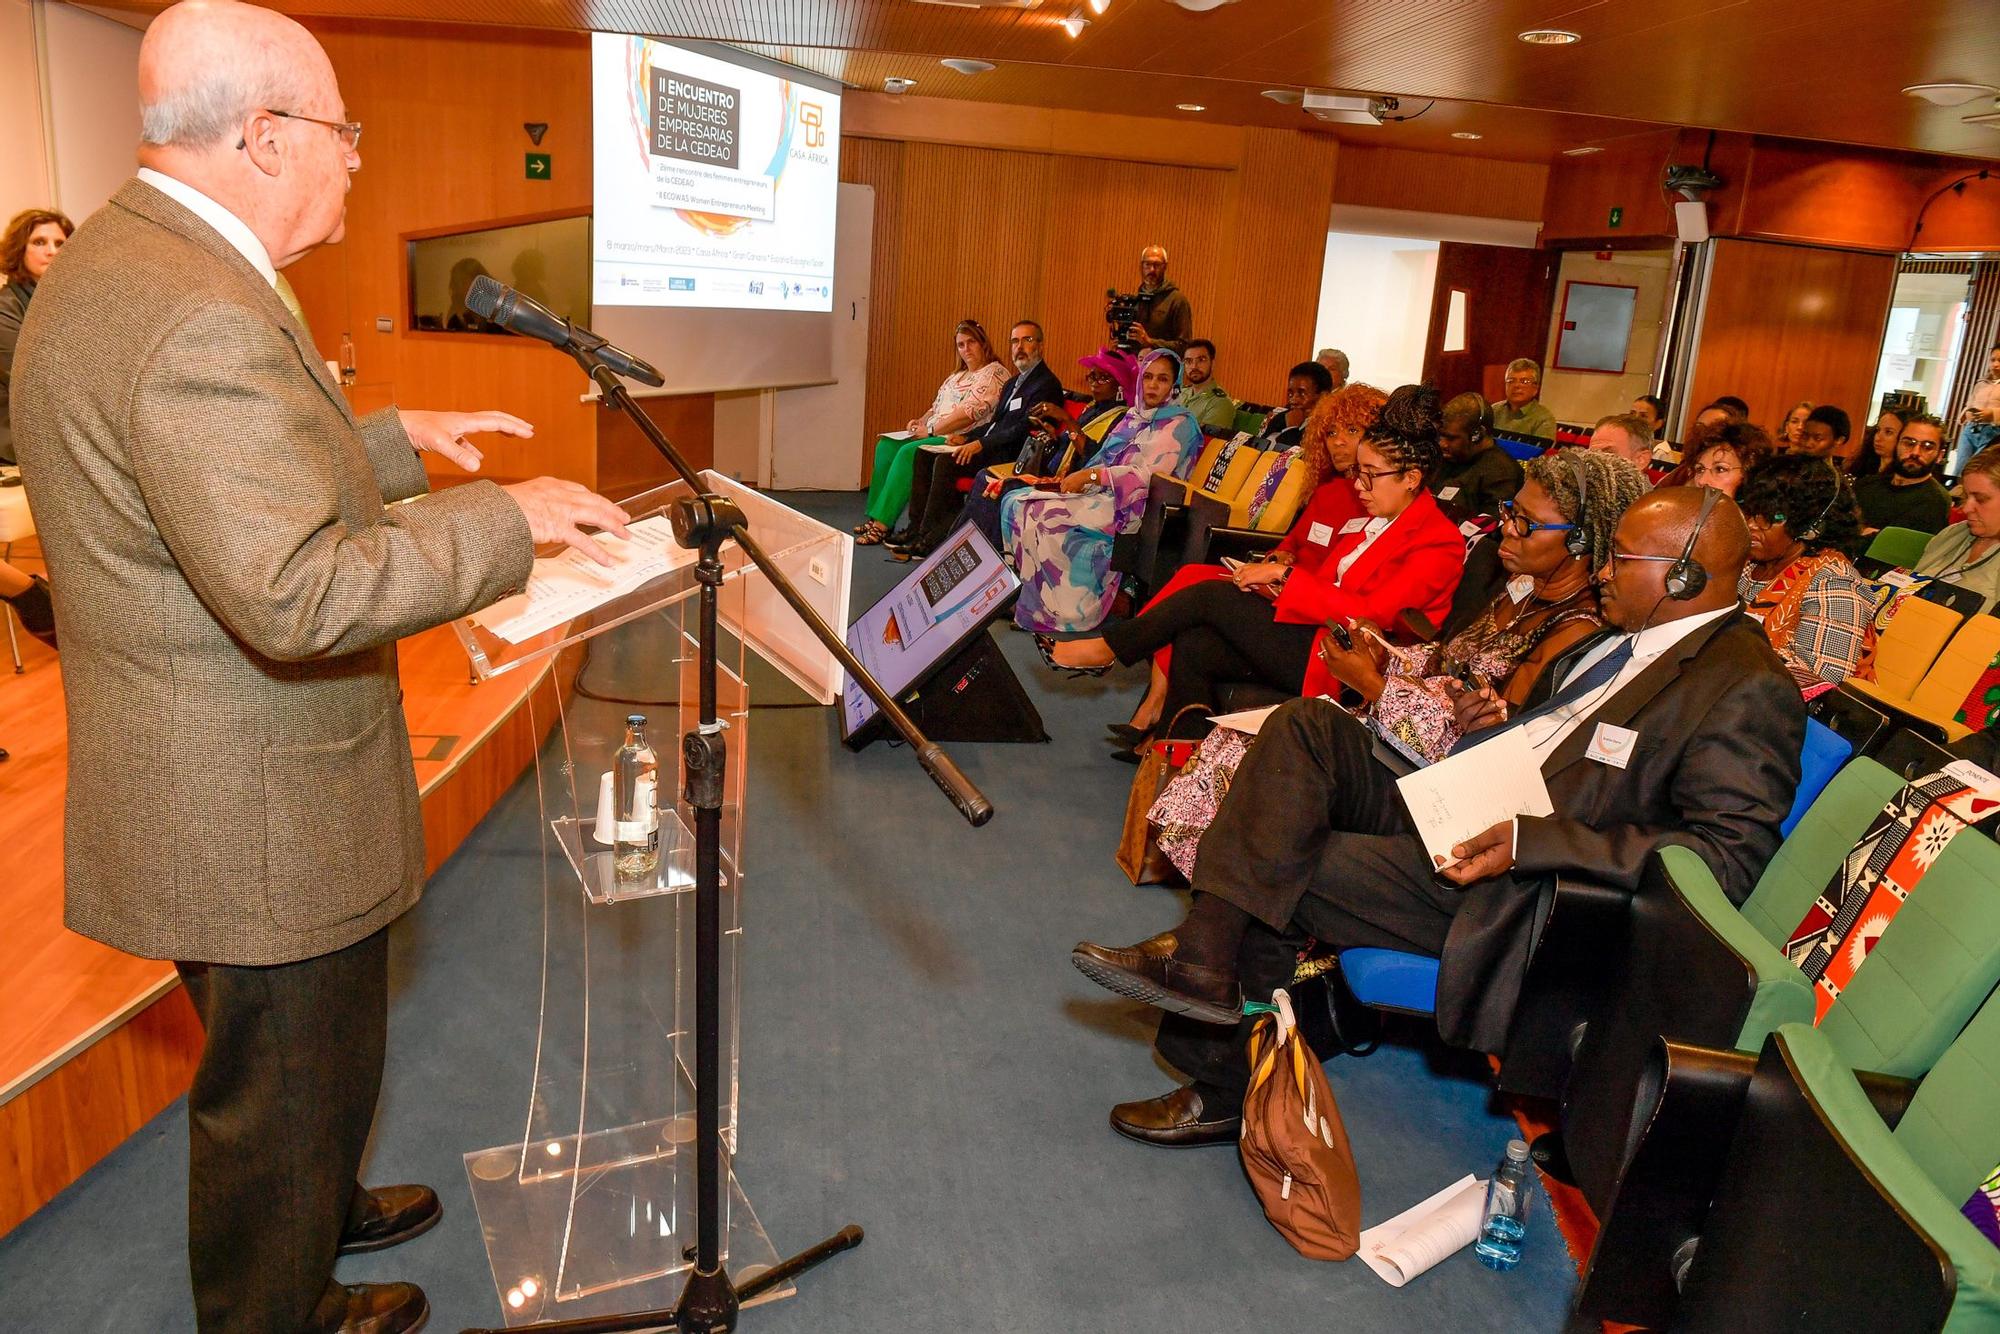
<point>1682,727</point>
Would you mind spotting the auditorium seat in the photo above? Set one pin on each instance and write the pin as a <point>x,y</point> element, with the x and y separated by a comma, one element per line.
<point>1933,704</point>
<point>1906,648</point>
<point>1898,548</point>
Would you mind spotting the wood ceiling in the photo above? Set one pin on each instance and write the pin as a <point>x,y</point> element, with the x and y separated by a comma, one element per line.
<point>1810,69</point>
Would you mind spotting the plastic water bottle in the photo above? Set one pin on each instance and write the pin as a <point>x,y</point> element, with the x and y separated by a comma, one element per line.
<point>636,846</point>
<point>1499,1245</point>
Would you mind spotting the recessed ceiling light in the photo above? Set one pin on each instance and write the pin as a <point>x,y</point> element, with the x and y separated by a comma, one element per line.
<point>967,66</point>
<point>1950,94</point>
<point>1466,134</point>
<point>896,87</point>
<point>1550,37</point>
<point>1099,6</point>
<point>1075,24</point>
<point>1285,97</point>
<point>1189,106</point>
<point>1584,150</point>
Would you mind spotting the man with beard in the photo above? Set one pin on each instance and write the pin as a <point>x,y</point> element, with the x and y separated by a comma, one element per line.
<point>1169,320</point>
<point>1908,495</point>
<point>1206,401</point>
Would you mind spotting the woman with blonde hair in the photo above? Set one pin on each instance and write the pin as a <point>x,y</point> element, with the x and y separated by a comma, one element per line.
<point>27,248</point>
<point>1795,421</point>
<point>966,399</point>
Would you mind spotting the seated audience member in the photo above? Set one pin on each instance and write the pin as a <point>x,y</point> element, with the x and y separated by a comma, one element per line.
<point>1824,435</point>
<point>1788,430</point>
<point>1967,553</point>
<point>1335,430</point>
<point>1059,539</point>
<point>1262,624</point>
<point>1979,423</point>
<point>28,595</point>
<point>1653,412</point>
<point>1207,401</point>
<point>1717,415</point>
<point>1521,411</point>
<point>1476,474</point>
<point>1817,609</point>
<point>27,248</point>
<point>1880,456</point>
<point>1723,458</point>
<point>1313,839</point>
<point>1908,495</point>
<point>1111,378</point>
<point>1336,365</point>
<point>1627,436</point>
<point>965,401</point>
<point>1305,385</point>
<point>935,500</point>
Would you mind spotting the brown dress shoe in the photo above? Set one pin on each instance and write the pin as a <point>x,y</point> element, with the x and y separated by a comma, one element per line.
<point>394,1215</point>
<point>1149,972</point>
<point>371,1308</point>
<point>1184,1119</point>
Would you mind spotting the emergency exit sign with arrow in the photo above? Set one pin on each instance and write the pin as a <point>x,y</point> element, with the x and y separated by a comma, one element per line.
<point>539,166</point>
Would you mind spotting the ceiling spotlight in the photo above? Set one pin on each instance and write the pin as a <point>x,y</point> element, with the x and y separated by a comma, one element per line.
<point>1189,106</point>
<point>896,87</point>
<point>1950,94</point>
<point>1099,6</point>
<point>967,66</point>
<point>1285,97</point>
<point>1584,150</point>
<point>1466,134</point>
<point>1550,37</point>
<point>1075,24</point>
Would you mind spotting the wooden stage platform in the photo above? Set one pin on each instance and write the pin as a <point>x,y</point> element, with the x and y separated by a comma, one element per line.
<point>93,1043</point>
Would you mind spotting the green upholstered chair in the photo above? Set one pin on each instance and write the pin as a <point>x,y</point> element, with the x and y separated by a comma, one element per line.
<point>1900,548</point>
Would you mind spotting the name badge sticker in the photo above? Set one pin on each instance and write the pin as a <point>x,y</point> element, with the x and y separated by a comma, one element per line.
<point>1320,534</point>
<point>1014,403</point>
<point>1353,526</point>
<point>1612,745</point>
<point>1448,493</point>
<point>1520,586</point>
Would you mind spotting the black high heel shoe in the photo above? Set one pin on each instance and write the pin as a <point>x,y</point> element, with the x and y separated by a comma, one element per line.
<point>1046,646</point>
<point>1125,734</point>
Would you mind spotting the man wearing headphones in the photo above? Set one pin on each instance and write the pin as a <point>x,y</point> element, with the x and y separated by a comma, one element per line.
<point>1679,727</point>
<point>1477,474</point>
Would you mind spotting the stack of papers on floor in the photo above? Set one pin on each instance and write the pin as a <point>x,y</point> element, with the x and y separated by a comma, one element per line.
<point>1425,1234</point>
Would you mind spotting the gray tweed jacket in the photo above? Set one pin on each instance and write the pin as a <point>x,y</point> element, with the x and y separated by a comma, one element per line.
<point>230,587</point>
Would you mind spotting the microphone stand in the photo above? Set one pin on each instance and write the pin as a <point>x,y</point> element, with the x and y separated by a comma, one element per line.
<point>709,1301</point>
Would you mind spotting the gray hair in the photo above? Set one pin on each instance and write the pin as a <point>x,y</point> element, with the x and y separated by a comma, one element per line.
<point>1525,364</point>
<point>1613,484</point>
<point>209,107</point>
<point>1337,355</point>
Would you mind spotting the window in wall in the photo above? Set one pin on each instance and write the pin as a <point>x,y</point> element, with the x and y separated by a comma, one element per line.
<point>1454,321</point>
<point>1926,325</point>
<point>1375,298</point>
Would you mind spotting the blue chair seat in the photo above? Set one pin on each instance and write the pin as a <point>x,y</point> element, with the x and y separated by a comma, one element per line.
<point>1825,752</point>
<point>1391,979</point>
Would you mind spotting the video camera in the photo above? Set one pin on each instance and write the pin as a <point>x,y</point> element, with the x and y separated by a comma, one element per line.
<point>1122,310</point>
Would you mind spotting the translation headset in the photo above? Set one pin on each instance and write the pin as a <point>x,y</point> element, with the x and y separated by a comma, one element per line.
<point>1812,530</point>
<point>1578,541</point>
<point>1687,576</point>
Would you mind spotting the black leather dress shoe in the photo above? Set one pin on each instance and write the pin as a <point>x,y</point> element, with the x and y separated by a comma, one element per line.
<point>1188,1118</point>
<point>1149,972</point>
<point>395,1214</point>
<point>371,1308</point>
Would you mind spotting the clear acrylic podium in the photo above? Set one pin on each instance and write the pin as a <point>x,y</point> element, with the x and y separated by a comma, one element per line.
<point>591,1210</point>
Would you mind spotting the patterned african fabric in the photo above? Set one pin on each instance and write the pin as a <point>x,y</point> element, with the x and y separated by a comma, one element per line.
<point>1818,614</point>
<point>1261,500</point>
<point>1982,702</point>
<point>1984,1207</point>
<point>1880,872</point>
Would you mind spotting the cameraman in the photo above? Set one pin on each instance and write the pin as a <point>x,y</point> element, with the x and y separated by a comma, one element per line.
<point>1168,320</point>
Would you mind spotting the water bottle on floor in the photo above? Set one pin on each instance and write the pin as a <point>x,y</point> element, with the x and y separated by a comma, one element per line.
<point>1499,1245</point>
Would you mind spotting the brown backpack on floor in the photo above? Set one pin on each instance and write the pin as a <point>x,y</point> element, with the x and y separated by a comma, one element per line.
<point>1294,1146</point>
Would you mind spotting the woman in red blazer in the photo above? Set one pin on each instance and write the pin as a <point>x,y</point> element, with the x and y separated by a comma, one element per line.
<point>1265,622</point>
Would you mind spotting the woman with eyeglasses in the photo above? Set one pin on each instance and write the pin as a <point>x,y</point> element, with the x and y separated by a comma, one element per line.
<point>1817,610</point>
<point>1723,458</point>
<point>1263,624</point>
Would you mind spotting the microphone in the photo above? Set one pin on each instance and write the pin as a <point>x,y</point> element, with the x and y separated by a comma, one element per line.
<point>507,308</point>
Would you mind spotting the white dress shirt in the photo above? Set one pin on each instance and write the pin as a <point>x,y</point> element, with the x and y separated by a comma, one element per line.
<point>1373,529</point>
<point>232,228</point>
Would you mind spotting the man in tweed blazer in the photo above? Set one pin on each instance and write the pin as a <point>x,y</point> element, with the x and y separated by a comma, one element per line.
<point>241,798</point>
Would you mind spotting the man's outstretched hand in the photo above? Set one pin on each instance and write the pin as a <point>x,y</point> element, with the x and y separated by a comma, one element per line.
<point>444,432</point>
<point>559,511</point>
<point>1482,856</point>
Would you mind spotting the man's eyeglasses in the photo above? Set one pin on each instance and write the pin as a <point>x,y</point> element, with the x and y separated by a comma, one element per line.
<point>1513,521</point>
<point>348,130</point>
<point>1365,477</point>
<point>1617,555</point>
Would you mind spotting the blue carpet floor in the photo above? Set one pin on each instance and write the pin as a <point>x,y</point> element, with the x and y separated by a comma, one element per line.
<point>919,1057</point>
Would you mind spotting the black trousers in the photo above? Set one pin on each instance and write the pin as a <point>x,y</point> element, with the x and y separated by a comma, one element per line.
<point>935,500</point>
<point>1312,841</point>
<point>277,1120</point>
<point>1218,633</point>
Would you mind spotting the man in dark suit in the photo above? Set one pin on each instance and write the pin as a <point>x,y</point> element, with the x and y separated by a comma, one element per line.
<point>935,500</point>
<point>1682,727</point>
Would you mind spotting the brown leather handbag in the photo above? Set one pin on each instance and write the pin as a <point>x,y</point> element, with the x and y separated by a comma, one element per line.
<point>1294,1146</point>
<point>1139,855</point>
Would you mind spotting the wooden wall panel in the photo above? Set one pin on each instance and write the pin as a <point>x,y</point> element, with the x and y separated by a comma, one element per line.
<point>1440,183</point>
<point>1789,322</point>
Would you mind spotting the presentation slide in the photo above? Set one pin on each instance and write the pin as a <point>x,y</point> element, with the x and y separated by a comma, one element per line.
<point>715,183</point>
<point>944,598</point>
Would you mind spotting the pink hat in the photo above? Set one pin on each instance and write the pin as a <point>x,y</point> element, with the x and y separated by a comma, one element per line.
<point>1120,365</point>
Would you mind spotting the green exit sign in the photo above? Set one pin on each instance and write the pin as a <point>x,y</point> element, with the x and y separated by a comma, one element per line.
<point>1617,214</point>
<point>539,166</point>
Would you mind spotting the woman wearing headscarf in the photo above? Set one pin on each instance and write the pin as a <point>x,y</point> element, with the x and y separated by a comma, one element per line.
<point>1112,379</point>
<point>27,248</point>
<point>1265,623</point>
<point>1059,540</point>
<point>966,399</point>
